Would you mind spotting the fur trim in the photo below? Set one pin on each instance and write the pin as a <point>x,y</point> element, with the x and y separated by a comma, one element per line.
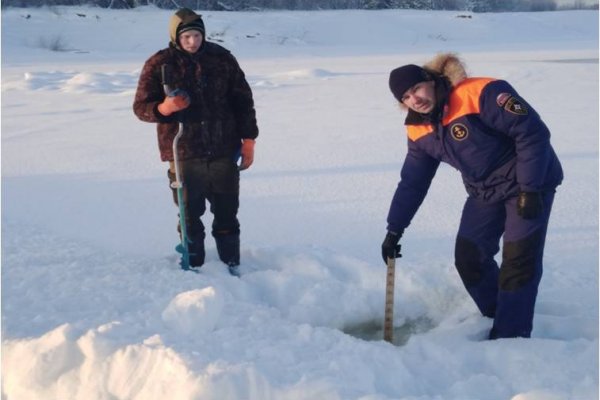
<point>448,65</point>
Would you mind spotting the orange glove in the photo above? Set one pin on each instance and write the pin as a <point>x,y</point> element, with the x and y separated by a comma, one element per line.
<point>172,104</point>
<point>247,153</point>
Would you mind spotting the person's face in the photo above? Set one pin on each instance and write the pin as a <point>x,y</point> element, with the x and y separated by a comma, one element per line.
<point>420,97</point>
<point>191,41</point>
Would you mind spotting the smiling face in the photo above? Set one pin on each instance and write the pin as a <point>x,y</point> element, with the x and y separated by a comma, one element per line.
<point>421,97</point>
<point>191,41</point>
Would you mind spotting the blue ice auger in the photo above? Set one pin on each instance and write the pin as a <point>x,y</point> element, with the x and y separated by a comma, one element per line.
<point>182,247</point>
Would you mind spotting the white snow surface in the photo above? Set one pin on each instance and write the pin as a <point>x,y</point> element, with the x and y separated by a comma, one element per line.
<point>94,305</point>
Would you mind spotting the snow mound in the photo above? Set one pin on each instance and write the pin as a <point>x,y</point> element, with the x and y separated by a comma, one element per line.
<point>194,311</point>
<point>74,82</point>
<point>62,365</point>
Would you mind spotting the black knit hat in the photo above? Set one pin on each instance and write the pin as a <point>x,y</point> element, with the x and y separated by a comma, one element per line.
<point>195,25</point>
<point>405,77</point>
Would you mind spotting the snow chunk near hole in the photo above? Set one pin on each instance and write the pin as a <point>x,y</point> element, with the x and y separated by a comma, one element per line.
<point>196,311</point>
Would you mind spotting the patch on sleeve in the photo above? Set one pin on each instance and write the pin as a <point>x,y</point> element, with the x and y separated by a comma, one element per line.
<point>515,106</point>
<point>502,98</point>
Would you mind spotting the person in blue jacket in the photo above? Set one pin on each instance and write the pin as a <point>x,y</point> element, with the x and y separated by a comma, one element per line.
<point>501,146</point>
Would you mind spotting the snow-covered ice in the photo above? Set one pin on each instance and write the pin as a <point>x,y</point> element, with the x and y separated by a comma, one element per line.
<point>94,305</point>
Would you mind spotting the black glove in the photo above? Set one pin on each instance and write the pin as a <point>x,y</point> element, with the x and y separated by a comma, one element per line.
<point>390,247</point>
<point>530,205</point>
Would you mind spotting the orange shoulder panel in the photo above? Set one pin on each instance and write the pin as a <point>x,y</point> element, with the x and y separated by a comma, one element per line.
<point>415,132</point>
<point>464,99</point>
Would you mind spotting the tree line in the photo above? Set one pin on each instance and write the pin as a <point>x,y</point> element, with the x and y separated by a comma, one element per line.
<point>258,5</point>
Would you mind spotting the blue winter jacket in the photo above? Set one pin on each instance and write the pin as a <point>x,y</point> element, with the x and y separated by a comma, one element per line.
<point>490,134</point>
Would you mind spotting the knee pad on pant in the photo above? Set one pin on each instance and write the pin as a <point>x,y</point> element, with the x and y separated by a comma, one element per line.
<point>520,261</point>
<point>467,261</point>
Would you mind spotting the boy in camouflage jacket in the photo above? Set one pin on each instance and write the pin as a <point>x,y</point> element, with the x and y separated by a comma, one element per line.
<point>215,105</point>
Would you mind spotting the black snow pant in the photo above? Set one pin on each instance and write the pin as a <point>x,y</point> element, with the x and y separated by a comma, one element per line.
<point>218,182</point>
<point>506,293</point>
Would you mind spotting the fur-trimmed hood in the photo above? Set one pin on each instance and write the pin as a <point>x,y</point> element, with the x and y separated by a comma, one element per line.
<point>449,66</point>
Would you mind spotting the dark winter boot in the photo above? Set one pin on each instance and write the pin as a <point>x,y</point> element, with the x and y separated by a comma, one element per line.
<point>197,253</point>
<point>228,247</point>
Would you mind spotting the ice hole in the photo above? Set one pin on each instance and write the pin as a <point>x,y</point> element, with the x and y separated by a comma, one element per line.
<point>373,330</point>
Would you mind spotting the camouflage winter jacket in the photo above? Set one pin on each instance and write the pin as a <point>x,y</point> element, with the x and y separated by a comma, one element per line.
<point>221,112</point>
